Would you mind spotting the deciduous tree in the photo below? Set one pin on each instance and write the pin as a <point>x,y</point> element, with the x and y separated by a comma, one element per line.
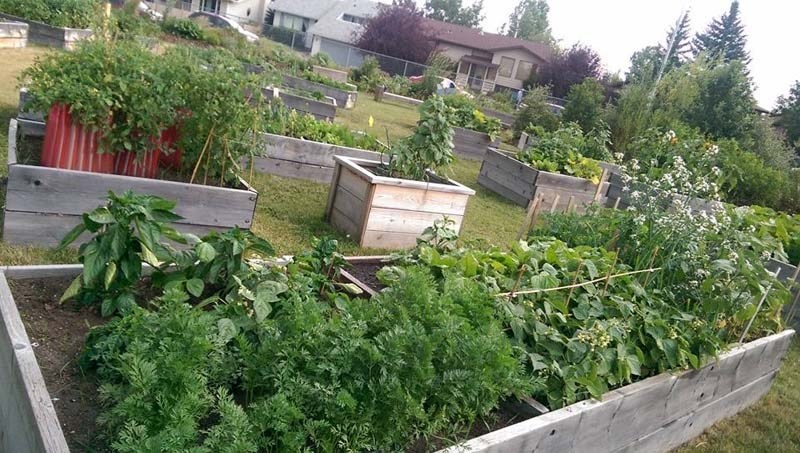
<point>788,111</point>
<point>399,31</point>
<point>568,68</point>
<point>529,21</point>
<point>454,12</point>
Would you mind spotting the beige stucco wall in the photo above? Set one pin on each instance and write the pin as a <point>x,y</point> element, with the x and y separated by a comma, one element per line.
<point>453,51</point>
<point>517,55</point>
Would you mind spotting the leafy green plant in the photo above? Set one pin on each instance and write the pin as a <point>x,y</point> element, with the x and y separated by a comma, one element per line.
<point>58,13</point>
<point>430,148</point>
<point>119,88</point>
<point>562,152</point>
<point>183,28</point>
<point>467,115</point>
<point>126,232</point>
<point>535,112</point>
<point>368,75</point>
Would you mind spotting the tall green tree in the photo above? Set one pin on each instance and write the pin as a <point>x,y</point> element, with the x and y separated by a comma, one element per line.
<point>644,65</point>
<point>724,38</point>
<point>584,104</point>
<point>681,50</point>
<point>529,21</point>
<point>454,12</point>
<point>788,111</point>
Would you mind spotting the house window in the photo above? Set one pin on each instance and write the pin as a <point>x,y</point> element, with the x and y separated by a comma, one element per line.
<point>524,70</point>
<point>506,66</point>
<point>354,19</point>
<point>294,22</point>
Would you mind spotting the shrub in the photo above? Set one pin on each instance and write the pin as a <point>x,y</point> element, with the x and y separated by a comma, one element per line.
<point>584,104</point>
<point>183,28</point>
<point>536,112</point>
<point>368,75</point>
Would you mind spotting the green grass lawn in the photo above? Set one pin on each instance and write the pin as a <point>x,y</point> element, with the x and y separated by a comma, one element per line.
<point>290,213</point>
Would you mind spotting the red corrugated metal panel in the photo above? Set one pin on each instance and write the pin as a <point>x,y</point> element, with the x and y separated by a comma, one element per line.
<point>72,146</point>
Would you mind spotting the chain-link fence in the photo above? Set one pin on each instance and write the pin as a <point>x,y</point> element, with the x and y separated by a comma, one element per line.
<point>352,57</point>
<point>297,40</point>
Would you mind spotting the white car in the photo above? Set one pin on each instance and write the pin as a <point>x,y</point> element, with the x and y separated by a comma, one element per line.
<point>147,11</point>
<point>205,19</point>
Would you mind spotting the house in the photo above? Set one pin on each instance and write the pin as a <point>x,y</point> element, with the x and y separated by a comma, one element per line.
<point>329,24</point>
<point>488,61</point>
<point>242,11</point>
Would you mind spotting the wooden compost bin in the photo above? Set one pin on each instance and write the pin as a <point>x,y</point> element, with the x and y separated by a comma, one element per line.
<point>303,159</point>
<point>43,204</point>
<point>47,35</point>
<point>389,213</point>
<point>344,98</point>
<point>653,415</point>
<point>13,35</point>
<point>471,145</point>
<point>656,414</point>
<point>520,183</point>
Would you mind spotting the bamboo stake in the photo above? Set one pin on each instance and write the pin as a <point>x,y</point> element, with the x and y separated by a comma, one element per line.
<point>616,203</point>
<point>519,277</point>
<point>610,269</point>
<point>558,288</point>
<point>603,178</point>
<point>650,264</point>
<point>224,161</point>
<point>202,153</point>
<point>753,318</point>
<point>574,281</point>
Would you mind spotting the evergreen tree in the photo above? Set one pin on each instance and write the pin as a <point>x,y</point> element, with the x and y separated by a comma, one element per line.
<point>788,111</point>
<point>724,38</point>
<point>681,51</point>
<point>529,21</point>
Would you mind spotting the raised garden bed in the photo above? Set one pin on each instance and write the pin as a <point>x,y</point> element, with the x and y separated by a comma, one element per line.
<point>506,119</point>
<point>656,414</point>
<point>47,35</point>
<point>13,35</point>
<point>29,123</point>
<point>319,109</point>
<point>344,99</point>
<point>43,204</point>
<point>471,145</point>
<point>389,213</point>
<point>520,183</point>
<point>333,74</point>
<point>400,99</point>
<point>303,159</point>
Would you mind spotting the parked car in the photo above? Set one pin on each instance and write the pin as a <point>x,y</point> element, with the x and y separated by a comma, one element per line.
<point>205,19</point>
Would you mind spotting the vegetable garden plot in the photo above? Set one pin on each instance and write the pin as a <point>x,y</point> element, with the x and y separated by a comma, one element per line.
<point>472,145</point>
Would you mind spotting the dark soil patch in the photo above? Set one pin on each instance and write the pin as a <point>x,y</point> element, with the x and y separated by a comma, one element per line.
<point>57,334</point>
<point>365,272</point>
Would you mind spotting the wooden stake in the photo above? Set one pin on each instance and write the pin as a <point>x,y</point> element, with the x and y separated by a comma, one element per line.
<point>530,217</point>
<point>519,277</point>
<point>574,282</point>
<point>555,203</point>
<point>616,203</point>
<point>760,303</point>
<point>603,178</point>
<point>202,153</point>
<point>608,275</point>
<point>650,264</point>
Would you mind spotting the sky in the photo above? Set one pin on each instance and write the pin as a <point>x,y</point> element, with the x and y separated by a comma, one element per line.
<point>617,28</point>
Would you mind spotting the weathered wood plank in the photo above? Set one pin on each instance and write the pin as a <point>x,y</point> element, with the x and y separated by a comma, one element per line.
<point>509,180</point>
<point>47,230</point>
<point>344,99</point>
<point>28,420</point>
<point>349,205</point>
<point>501,190</point>
<point>345,224</point>
<point>471,145</point>
<point>290,169</point>
<point>57,191</point>
<point>401,221</point>
<point>565,182</point>
<point>511,165</point>
<point>389,240</point>
<point>412,199</point>
<point>48,35</point>
<point>354,184</point>
<point>310,152</point>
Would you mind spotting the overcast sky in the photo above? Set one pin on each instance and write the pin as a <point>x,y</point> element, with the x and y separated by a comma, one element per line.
<point>617,28</point>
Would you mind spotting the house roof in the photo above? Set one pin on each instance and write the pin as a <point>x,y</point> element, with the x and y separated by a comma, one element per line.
<point>312,9</point>
<point>331,25</point>
<point>481,40</point>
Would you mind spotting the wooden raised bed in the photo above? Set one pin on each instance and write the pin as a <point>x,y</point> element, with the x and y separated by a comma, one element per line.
<point>470,144</point>
<point>389,213</point>
<point>506,119</point>
<point>43,204</point>
<point>520,183</point>
<point>29,123</point>
<point>13,35</point>
<point>344,99</point>
<point>47,35</point>
<point>303,159</point>
<point>320,110</point>
<point>333,74</point>
<point>654,415</point>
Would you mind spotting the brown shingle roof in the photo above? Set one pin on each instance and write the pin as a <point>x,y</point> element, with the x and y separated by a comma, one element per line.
<point>477,39</point>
